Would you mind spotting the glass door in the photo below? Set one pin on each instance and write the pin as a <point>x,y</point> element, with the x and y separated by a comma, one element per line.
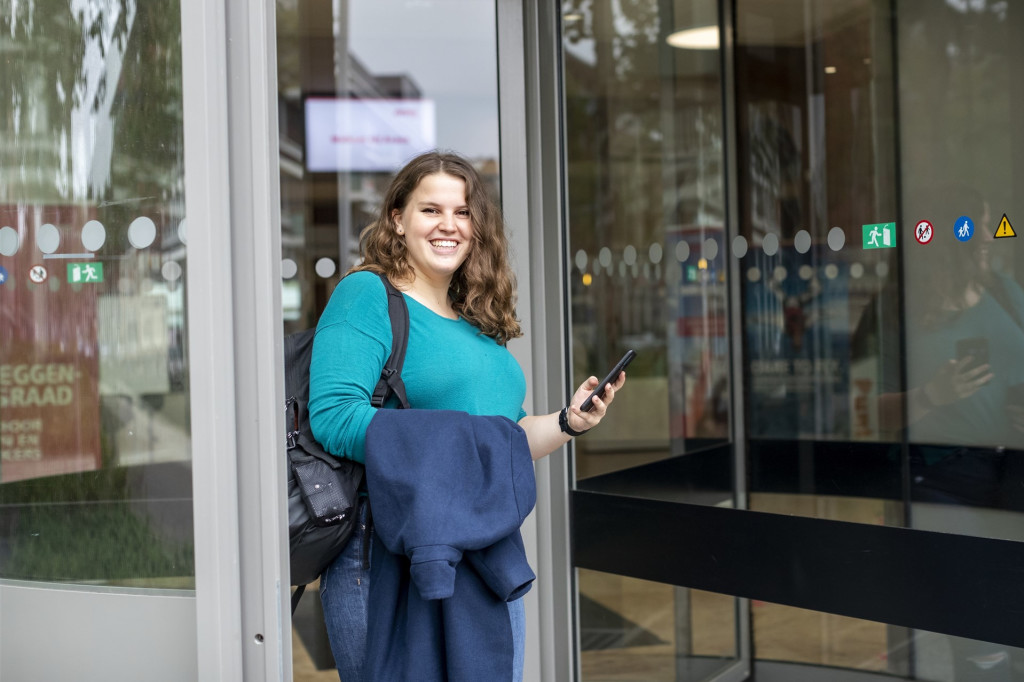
<point>810,239</point>
<point>96,513</point>
<point>882,316</point>
<point>648,257</point>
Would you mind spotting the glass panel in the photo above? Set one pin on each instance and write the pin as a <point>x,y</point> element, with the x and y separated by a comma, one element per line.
<point>646,213</point>
<point>637,629</point>
<point>964,301</point>
<point>95,451</point>
<point>363,86</point>
<point>646,226</point>
<point>882,335</point>
<point>817,152</point>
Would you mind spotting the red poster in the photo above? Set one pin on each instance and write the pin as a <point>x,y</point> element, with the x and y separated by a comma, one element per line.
<point>49,359</point>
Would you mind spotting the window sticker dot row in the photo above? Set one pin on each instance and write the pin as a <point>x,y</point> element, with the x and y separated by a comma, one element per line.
<point>806,272</point>
<point>142,233</point>
<point>706,250</point>
<point>324,267</point>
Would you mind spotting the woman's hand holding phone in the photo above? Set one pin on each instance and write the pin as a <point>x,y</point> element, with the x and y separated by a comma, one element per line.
<point>612,377</point>
<point>591,400</point>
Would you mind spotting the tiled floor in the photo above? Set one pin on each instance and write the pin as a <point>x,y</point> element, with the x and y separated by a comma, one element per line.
<point>659,616</point>
<point>783,634</point>
<point>303,669</point>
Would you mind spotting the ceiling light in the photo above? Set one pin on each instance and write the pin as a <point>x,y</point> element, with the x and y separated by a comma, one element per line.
<point>701,38</point>
<point>830,69</point>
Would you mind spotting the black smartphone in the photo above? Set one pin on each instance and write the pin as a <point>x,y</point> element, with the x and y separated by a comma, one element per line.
<point>610,379</point>
<point>976,347</point>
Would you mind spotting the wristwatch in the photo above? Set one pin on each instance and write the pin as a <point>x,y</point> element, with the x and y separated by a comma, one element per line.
<point>563,423</point>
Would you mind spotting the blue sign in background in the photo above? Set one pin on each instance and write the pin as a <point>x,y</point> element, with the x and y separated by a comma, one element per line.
<point>963,228</point>
<point>3,274</point>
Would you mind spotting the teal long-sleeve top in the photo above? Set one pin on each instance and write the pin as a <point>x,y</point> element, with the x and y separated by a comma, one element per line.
<point>449,365</point>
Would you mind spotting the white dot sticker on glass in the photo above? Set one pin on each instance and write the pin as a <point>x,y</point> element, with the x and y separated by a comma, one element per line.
<point>629,255</point>
<point>682,251</point>
<point>710,249</point>
<point>325,267</point>
<point>48,238</point>
<point>183,231</point>
<point>289,268</point>
<point>770,244</point>
<point>9,241</point>
<point>802,241</point>
<point>142,232</point>
<point>739,246</point>
<point>171,271</point>
<point>836,238</point>
<point>93,235</point>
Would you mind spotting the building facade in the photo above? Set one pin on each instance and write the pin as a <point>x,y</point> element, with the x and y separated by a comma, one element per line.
<point>802,216</point>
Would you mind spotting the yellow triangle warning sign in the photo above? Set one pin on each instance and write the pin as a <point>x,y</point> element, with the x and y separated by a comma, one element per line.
<point>1005,229</point>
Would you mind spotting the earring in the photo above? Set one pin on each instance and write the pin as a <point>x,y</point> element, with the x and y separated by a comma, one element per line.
<point>401,231</point>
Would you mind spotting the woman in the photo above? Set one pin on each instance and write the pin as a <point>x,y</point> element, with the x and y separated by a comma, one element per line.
<point>441,241</point>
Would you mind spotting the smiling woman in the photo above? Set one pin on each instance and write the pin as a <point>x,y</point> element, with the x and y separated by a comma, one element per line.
<point>441,241</point>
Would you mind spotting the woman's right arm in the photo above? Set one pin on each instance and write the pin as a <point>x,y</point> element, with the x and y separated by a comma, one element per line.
<point>352,343</point>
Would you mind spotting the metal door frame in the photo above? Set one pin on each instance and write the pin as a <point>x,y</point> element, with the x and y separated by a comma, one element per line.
<point>243,623</point>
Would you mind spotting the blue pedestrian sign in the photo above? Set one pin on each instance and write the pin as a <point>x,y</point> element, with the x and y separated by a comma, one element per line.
<point>3,274</point>
<point>963,228</point>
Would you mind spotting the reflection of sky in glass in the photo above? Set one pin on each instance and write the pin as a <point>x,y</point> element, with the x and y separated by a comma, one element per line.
<point>454,67</point>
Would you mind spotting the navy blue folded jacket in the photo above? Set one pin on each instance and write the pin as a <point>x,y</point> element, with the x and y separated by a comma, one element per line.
<point>448,493</point>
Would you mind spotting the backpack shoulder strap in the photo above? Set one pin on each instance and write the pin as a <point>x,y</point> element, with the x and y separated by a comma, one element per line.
<point>391,376</point>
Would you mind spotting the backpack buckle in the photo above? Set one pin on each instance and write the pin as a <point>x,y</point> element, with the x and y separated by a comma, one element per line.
<point>292,437</point>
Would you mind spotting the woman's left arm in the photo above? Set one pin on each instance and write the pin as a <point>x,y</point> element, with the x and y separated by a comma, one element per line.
<point>544,432</point>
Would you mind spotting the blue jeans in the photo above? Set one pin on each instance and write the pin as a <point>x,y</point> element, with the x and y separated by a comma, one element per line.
<point>517,616</point>
<point>345,593</point>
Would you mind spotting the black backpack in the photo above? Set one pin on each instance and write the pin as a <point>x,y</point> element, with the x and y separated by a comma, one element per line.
<point>323,489</point>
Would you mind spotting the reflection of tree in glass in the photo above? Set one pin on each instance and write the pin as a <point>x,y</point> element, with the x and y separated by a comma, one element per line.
<point>93,108</point>
<point>624,30</point>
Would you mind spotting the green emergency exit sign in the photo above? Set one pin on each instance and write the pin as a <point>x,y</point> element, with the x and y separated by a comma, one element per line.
<point>880,236</point>
<point>85,273</point>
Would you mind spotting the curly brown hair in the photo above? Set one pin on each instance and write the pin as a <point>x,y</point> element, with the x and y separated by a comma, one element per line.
<point>483,289</point>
